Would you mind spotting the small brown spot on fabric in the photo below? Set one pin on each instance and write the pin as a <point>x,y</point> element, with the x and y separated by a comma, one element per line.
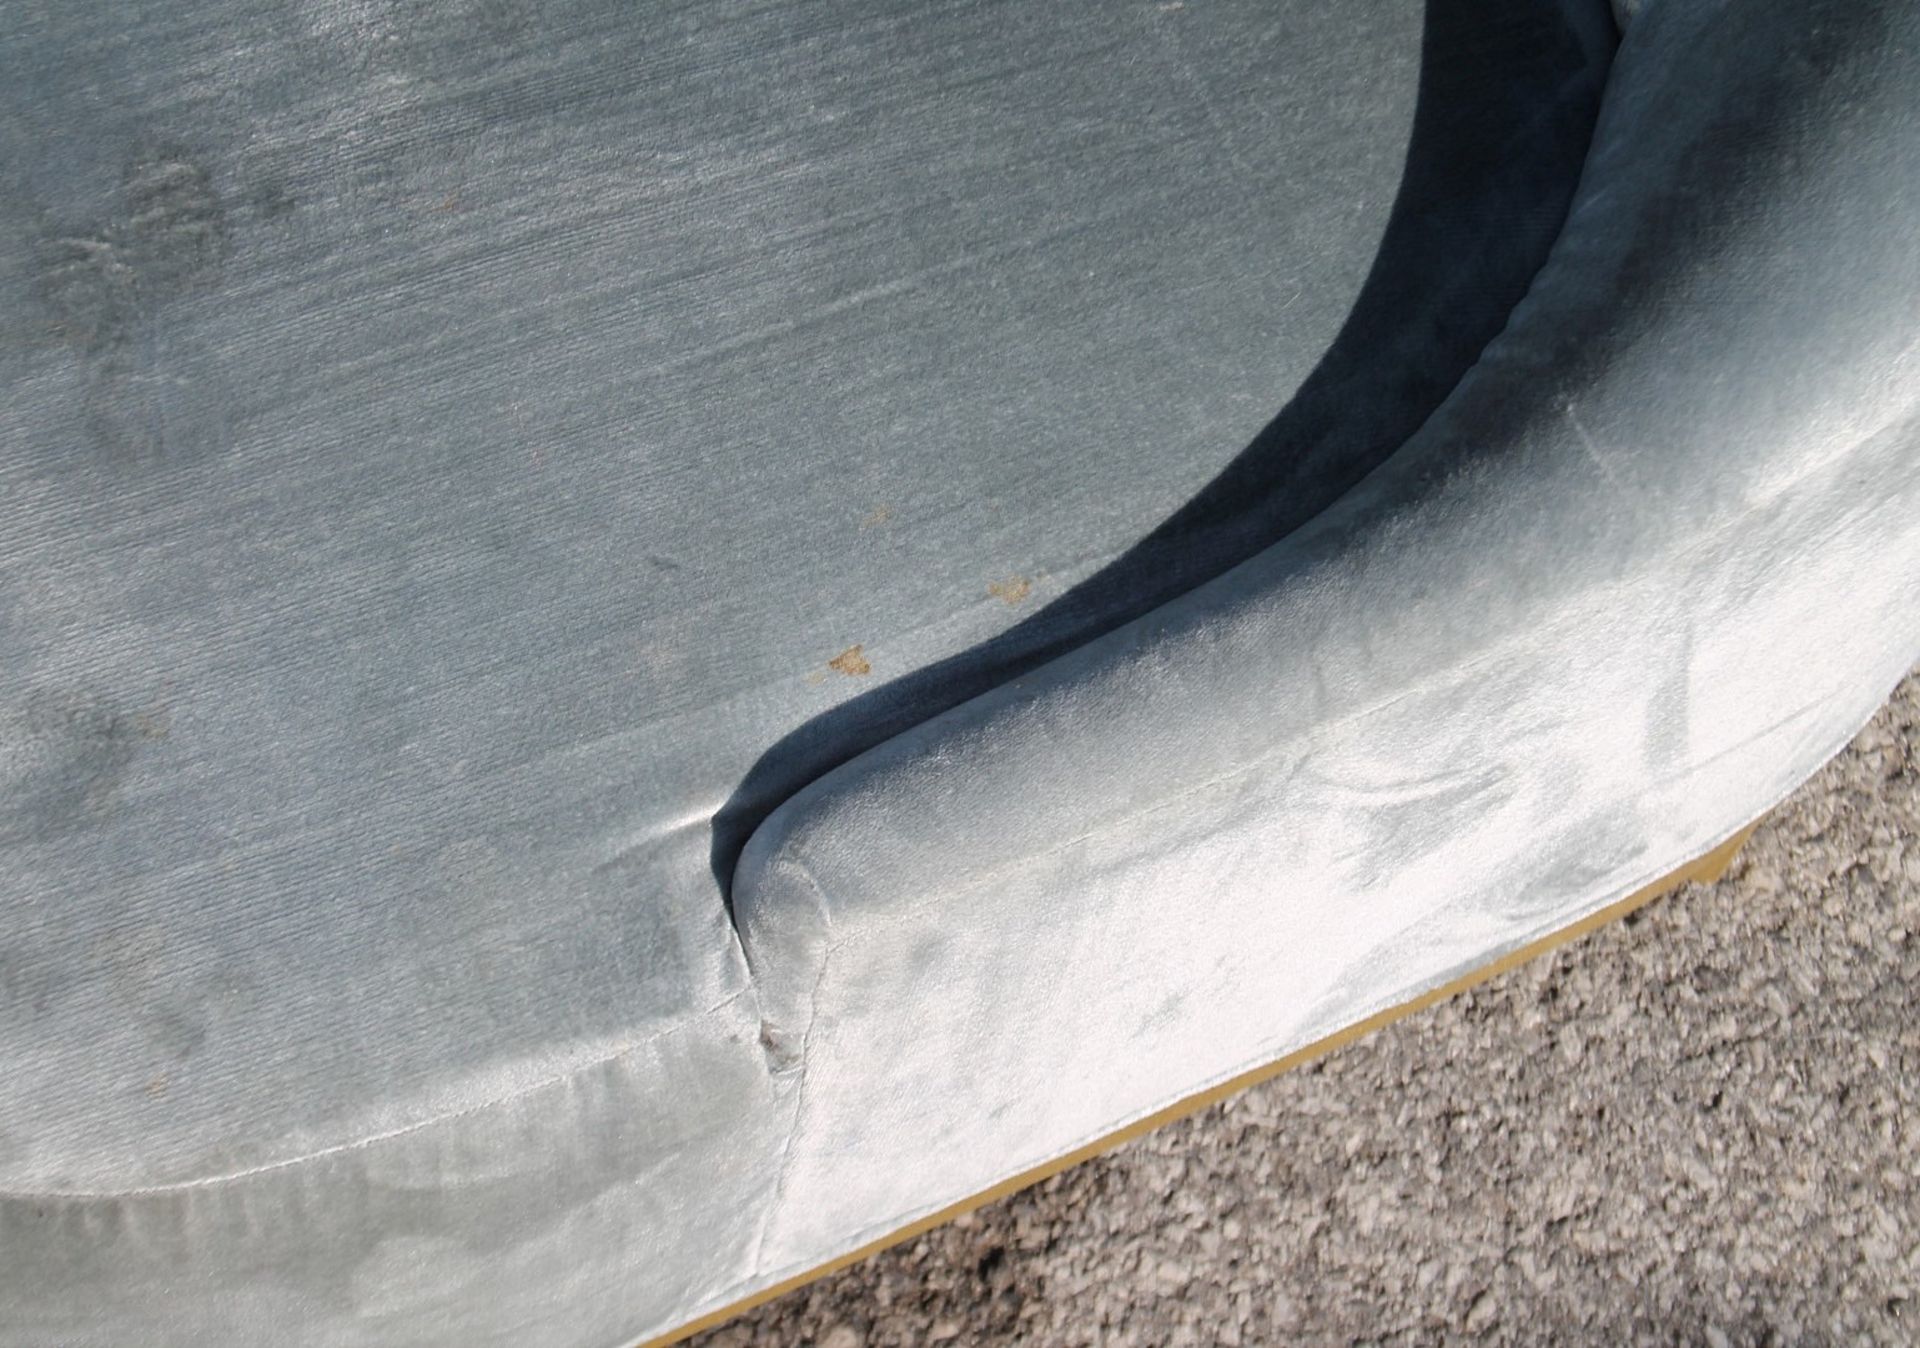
<point>876,517</point>
<point>851,661</point>
<point>1011,590</point>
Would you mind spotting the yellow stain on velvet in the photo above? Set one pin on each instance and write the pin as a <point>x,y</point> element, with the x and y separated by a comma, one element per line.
<point>1012,590</point>
<point>852,661</point>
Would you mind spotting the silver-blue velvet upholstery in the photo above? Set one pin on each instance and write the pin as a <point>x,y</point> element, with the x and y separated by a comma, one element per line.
<point>639,643</point>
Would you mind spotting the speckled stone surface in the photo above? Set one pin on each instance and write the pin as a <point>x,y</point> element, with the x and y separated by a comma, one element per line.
<point>1696,1126</point>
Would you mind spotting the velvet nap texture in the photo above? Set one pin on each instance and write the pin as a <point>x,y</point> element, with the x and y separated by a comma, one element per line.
<point>1159,532</point>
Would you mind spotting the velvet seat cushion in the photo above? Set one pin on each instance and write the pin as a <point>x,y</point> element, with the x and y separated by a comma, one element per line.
<point>641,644</point>
<point>456,453</point>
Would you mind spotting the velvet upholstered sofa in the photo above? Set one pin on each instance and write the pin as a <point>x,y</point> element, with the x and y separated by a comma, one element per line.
<point>642,643</point>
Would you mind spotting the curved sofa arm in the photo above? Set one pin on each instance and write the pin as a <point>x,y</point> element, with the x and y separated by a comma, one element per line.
<point>1655,558</point>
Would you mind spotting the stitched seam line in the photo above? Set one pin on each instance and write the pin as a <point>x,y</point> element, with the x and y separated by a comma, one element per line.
<point>361,1144</point>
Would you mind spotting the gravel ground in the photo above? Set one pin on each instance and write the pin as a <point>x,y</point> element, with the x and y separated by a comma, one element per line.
<point>1695,1126</point>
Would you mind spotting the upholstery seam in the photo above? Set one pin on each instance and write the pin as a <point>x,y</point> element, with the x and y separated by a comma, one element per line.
<point>1692,547</point>
<point>784,1168</point>
<point>361,1144</point>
